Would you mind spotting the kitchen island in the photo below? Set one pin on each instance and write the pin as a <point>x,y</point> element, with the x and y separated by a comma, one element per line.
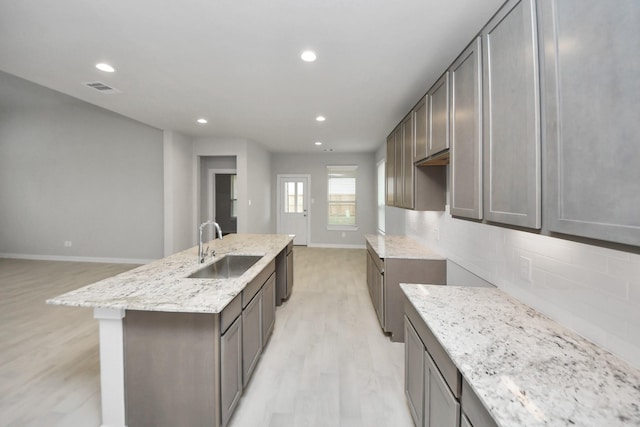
<point>176,350</point>
<point>493,361</point>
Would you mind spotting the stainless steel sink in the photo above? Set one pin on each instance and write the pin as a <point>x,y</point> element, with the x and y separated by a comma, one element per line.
<point>227,267</point>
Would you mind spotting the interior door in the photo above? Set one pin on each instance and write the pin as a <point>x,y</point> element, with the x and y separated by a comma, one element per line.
<point>293,205</point>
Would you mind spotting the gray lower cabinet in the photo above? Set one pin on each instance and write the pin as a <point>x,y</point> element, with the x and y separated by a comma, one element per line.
<point>268,308</point>
<point>512,184</point>
<point>438,122</point>
<point>436,392</point>
<point>375,280</point>
<point>384,276</point>
<point>591,93</point>
<point>466,132</point>
<point>230,369</point>
<point>441,408</point>
<point>251,336</point>
<point>414,373</point>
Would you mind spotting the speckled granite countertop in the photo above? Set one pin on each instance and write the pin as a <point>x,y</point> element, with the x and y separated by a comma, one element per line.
<point>162,285</point>
<point>399,247</point>
<point>527,369</point>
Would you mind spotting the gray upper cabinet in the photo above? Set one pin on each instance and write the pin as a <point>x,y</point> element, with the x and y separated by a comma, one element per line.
<point>407,162</point>
<point>591,95</point>
<point>399,180</point>
<point>512,116</point>
<point>390,170</point>
<point>420,117</point>
<point>466,132</point>
<point>438,99</point>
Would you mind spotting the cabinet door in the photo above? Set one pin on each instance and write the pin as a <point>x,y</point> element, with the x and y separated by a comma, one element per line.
<point>591,94</point>
<point>441,407</point>
<point>511,116</point>
<point>230,369</point>
<point>407,162</point>
<point>268,308</point>
<point>289,272</point>
<point>378,292</point>
<point>420,117</point>
<point>251,336</point>
<point>438,96</point>
<point>466,133</point>
<point>414,372</point>
<point>399,191</point>
<point>390,169</point>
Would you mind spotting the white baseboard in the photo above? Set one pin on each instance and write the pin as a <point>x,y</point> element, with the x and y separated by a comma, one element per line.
<point>335,246</point>
<point>77,258</point>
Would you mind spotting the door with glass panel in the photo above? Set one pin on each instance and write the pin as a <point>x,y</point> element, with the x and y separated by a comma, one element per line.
<point>293,207</point>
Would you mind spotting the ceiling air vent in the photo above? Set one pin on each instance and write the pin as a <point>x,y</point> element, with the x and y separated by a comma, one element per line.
<point>101,87</point>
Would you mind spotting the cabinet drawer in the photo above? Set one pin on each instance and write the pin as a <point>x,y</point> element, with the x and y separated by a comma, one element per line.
<point>230,313</point>
<point>474,409</point>
<point>377,261</point>
<point>446,367</point>
<point>254,286</point>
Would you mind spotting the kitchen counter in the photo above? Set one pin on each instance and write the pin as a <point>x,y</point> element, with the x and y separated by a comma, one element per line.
<point>399,247</point>
<point>526,369</point>
<point>162,285</point>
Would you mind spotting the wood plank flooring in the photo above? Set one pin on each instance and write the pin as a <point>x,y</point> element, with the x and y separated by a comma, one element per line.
<point>327,363</point>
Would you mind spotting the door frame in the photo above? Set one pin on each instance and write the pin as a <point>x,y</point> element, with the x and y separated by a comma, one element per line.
<point>279,200</point>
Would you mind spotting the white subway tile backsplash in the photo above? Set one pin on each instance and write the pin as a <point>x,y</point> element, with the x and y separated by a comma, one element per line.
<point>592,290</point>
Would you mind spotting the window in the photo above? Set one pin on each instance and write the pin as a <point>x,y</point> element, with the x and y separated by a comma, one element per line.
<point>341,199</point>
<point>293,197</point>
<point>381,195</point>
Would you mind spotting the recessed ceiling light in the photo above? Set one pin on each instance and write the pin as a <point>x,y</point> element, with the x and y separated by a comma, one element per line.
<point>321,118</point>
<point>202,121</point>
<point>105,67</point>
<point>318,143</point>
<point>308,56</point>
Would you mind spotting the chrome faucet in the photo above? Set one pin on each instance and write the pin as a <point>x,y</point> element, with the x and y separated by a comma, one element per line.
<point>202,254</point>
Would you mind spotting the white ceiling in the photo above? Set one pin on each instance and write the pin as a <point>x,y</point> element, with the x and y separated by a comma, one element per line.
<point>237,62</point>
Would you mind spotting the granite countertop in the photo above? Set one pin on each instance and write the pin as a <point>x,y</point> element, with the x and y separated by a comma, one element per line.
<point>527,369</point>
<point>400,247</point>
<point>162,285</point>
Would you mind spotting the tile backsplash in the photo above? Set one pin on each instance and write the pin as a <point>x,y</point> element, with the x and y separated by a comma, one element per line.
<point>593,290</point>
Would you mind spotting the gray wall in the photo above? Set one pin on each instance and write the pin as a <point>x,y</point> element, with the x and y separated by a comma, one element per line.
<point>73,171</point>
<point>316,165</point>
<point>178,193</point>
<point>251,179</point>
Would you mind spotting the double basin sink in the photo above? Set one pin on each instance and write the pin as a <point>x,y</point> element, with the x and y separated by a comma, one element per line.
<point>227,267</point>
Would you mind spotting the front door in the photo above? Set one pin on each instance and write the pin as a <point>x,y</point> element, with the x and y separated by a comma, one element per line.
<point>293,205</point>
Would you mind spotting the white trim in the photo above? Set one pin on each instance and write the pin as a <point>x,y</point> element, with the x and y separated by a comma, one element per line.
<point>112,389</point>
<point>335,246</point>
<point>77,258</point>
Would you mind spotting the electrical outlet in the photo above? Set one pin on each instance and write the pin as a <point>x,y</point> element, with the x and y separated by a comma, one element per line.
<point>344,234</point>
<point>437,234</point>
<point>525,268</point>
<point>68,243</point>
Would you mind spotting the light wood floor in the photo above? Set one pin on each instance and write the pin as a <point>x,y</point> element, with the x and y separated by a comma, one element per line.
<point>327,363</point>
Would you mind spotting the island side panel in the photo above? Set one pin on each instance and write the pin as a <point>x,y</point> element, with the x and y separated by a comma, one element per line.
<point>111,366</point>
<point>402,270</point>
<point>170,361</point>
